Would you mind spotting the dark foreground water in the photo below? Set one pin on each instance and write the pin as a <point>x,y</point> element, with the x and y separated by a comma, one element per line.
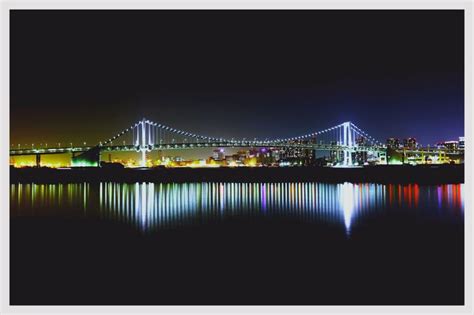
<point>236,243</point>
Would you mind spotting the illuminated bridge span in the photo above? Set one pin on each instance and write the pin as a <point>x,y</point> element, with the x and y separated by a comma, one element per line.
<point>146,136</point>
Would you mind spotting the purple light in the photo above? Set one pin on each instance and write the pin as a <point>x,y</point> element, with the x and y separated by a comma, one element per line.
<point>221,150</point>
<point>264,198</point>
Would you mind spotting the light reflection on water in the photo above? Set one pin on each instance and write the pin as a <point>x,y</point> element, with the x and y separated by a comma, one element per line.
<point>151,206</point>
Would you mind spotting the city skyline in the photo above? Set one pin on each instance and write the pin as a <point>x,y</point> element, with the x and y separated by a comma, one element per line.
<point>342,145</point>
<point>403,78</point>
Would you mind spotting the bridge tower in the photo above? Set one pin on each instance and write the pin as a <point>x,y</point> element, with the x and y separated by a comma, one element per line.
<point>143,147</point>
<point>347,142</point>
<point>144,139</point>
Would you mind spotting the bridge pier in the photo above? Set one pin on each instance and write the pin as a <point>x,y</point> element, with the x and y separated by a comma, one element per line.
<point>143,161</point>
<point>347,158</point>
<point>38,160</point>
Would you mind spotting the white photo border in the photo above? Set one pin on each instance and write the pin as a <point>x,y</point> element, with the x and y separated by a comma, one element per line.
<point>7,5</point>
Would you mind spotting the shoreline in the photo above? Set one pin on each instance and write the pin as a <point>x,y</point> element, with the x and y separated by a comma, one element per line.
<point>420,174</point>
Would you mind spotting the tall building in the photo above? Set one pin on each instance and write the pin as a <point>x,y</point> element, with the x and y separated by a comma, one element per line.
<point>361,141</point>
<point>242,155</point>
<point>451,145</point>
<point>393,143</point>
<point>409,143</point>
<point>218,154</point>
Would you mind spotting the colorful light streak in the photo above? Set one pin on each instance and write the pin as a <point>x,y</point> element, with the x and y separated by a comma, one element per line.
<point>149,206</point>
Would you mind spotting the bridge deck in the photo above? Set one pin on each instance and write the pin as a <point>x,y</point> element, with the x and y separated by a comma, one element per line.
<point>182,146</point>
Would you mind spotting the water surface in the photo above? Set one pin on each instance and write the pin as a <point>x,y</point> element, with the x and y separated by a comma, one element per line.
<point>237,243</point>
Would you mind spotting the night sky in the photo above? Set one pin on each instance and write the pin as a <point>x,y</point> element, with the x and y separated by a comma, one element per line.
<point>84,75</point>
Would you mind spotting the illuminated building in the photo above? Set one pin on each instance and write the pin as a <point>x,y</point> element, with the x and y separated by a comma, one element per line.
<point>276,153</point>
<point>229,159</point>
<point>242,155</point>
<point>297,156</point>
<point>218,154</point>
<point>393,143</point>
<point>251,161</point>
<point>409,143</point>
<point>360,157</point>
<point>361,141</point>
<point>451,145</point>
<point>252,153</point>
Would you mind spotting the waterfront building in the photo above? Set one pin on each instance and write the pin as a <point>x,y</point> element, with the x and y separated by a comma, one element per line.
<point>361,141</point>
<point>393,143</point>
<point>409,143</point>
<point>218,154</point>
<point>451,145</point>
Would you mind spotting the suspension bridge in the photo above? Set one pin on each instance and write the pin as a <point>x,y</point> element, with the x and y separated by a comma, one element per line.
<point>146,136</point>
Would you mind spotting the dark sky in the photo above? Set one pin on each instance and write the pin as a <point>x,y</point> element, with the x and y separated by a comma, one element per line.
<point>84,75</point>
